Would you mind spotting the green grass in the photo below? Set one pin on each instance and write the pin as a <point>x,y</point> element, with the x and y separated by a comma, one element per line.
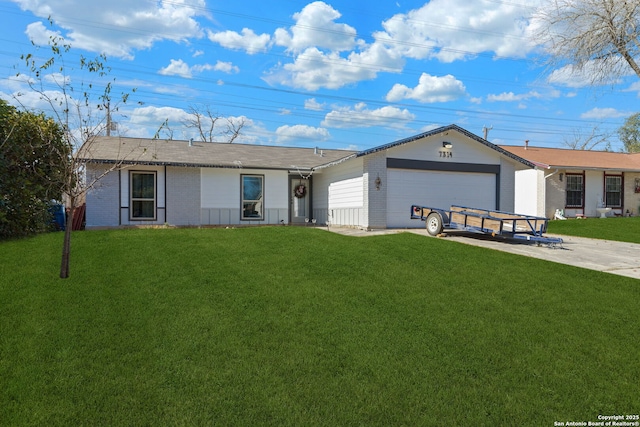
<point>292,326</point>
<point>621,229</point>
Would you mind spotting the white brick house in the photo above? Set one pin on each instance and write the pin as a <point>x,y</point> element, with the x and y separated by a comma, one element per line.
<point>577,182</point>
<point>181,183</point>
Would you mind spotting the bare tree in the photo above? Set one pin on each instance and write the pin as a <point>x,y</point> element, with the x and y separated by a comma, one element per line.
<point>164,131</point>
<point>208,125</point>
<point>594,139</point>
<point>80,110</point>
<point>600,37</point>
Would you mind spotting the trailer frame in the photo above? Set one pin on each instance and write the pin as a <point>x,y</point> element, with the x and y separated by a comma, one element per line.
<point>495,223</point>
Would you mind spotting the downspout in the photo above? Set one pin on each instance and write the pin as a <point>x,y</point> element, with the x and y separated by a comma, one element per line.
<point>544,208</point>
<point>119,197</point>
<point>551,174</point>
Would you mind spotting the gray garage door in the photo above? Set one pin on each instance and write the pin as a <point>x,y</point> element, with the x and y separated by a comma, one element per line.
<point>435,189</point>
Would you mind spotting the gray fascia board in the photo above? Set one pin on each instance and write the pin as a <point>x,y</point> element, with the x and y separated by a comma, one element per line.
<point>187,165</point>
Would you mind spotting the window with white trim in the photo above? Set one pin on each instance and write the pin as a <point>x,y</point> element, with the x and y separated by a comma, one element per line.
<point>575,191</point>
<point>142,191</point>
<point>252,191</point>
<point>613,191</point>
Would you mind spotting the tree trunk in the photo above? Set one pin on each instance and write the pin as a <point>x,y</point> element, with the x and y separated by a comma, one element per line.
<point>66,246</point>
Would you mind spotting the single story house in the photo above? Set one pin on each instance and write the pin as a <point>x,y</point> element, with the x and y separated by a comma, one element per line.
<point>197,184</point>
<point>577,182</point>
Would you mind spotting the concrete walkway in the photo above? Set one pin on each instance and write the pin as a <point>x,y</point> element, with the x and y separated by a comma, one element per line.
<point>595,254</point>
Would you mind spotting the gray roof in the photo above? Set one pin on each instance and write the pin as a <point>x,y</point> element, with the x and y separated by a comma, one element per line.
<point>113,149</point>
<point>110,149</point>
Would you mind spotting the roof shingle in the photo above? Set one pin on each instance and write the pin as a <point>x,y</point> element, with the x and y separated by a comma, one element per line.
<point>577,159</point>
<point>104,149</point>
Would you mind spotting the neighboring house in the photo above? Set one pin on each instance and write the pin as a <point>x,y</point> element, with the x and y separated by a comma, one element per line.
<point>577,182</point>
<point>198,184</point>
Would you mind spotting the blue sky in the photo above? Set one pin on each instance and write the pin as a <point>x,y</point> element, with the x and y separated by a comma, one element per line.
<point>334,74</point>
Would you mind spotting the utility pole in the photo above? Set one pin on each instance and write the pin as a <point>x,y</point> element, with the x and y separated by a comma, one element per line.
<point>109,120</point>
<point>486,130</point>
<point>111,125</point>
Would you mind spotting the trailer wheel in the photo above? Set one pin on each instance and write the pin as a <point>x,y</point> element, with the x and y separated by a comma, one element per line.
<point>434,224</point>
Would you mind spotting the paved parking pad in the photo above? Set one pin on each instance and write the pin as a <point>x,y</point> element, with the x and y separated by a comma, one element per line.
<point>594,254</point>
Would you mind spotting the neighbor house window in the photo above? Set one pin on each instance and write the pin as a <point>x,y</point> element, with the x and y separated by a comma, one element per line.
<point>613,191</point>
<point>575,191</point>
<point>143,195</point>
<point>252,196</point>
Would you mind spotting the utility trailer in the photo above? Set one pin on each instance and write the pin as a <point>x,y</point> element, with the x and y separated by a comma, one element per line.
<point>490,222</point>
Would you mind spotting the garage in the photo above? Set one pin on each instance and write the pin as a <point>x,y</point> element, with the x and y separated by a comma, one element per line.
<point>439,189</point>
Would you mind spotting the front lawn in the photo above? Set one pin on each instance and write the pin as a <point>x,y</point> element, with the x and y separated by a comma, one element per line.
<point>623,229</point>
<point>301,327</point>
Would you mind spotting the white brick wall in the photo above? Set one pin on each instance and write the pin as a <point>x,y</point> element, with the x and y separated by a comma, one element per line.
<point>183,196</point>
<point>375,200</point>
<point>102,199</point>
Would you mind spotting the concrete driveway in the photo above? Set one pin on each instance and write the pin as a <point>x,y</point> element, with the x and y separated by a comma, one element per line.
<point>595,254</point>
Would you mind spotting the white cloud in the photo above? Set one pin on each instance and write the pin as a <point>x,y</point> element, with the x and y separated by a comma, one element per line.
<point>155,116</point>
<point>57,79</point>
<point>182,69</point>
<point>604,113</point>
<point>16,83</point>
<point>361,116</point>
<point>327,54</point>
<point>226,67</point>
<point>314,69</point>
<point>176,68</point>
<point>519,97</point>
<point>41,35</point>
<point>145,121</point>
<point>248,41</point>
<point>634,87</point>
<point>573,77</point>
<point>429,89</point>
<point>451,30</point>
<point>315,27</point>
<point>110,28</point>
<point>512,97</point>
<point>430,127</point>
<point>313,105</point>
<point>296,133</point>
<point>569,76</point>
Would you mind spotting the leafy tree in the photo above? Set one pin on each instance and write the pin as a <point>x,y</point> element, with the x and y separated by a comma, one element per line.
<point>81,109</point>
<point>32,162</point>
<point>597,36</point>
<point>629,133</point>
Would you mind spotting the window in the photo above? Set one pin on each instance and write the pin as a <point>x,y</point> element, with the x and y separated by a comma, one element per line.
<point>252,191</point>
<point>575,191</point>
<point>143,195</point>
<point>613,191</point>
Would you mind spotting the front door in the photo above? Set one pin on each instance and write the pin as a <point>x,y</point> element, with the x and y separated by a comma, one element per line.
<point>299,200</point>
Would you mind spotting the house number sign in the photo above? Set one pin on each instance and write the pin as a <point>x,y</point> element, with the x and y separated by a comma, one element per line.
<point>445,153</point>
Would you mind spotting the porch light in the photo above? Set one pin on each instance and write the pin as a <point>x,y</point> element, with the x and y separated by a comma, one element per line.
<point>378,183</point>
<point>447,144</point>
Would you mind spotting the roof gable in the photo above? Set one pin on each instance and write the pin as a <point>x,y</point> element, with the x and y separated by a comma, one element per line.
<point>445,129</point>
